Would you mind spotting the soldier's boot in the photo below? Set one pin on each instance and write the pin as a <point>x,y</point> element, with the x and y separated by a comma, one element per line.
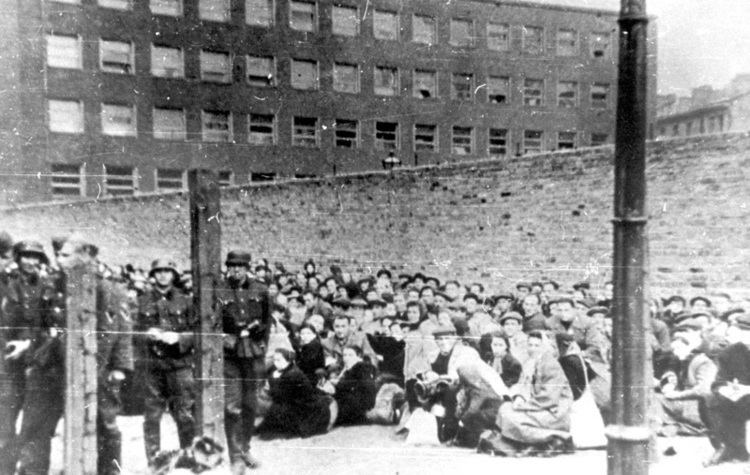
<point>109,461</point>
<point>238,467</point>
<point>151,438</point>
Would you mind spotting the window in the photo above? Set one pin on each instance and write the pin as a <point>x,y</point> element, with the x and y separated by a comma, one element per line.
<point>116,57</point>
<point>65,116</point>
<point>533,92</point>
<point>498,36</point>
<point>462,86</point>
<point>169,124</point>
<point>261,71</point>
<point>567,42</point>
<point>600,95</point>
<point>425,137</point>
<point>217,126</point>
<point>423,30</point>
<point>533,40</point>
<point>425,84</point>
<point>226,178</point>
<point>345,77</point>
<point>64,51</point>
<point>72,2</point>
<point>498,142</point>
<point>601,139</point>
<point>261,129</point>
<point>567,94</point>
<point>345,21</point>
<point>498,90</point>
<point>386,135</point>
<point>259,12</point>
<point>462,32</point>
<point>216,67</point>
<point>462,140</point>
<point>167,62</point>
<point>170,179</point>
<point>116,4</point>
<point>345,133</point>
<point>120,180</point>
<point>305,132</point>
<point>304,74</point>
<point>166,7</point>
<point>67,180</point>
<point>302,15</point>
<point>532,141</point>
<point>262,176</point>
<point>601,45</point>
<point>566,140</point>
<point>118,120</point>
<point>386,81</point>
<point>214,10</point>
<point>385,25</point>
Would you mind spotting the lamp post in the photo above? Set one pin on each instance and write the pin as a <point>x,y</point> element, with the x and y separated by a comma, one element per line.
<point>629,434</point>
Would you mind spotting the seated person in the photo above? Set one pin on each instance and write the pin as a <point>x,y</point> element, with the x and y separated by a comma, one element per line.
<point>512,323</point>
<point>494,350</point>
<point>297,409</point>
<point>538,418</point>
<point>344,335</point>
<point>311,356</point>
<point>355,387</point>
<point>573,364</point>
<point>390,346</point>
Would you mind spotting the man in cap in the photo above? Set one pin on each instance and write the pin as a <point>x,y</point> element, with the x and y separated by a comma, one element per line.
<point>533,318</point>
<point>728,406</point>
<point>700,304</point>
<point>512,323</point>
<point>346,334</point>
<point>23,305</point>
<point>585,333</point>
<point>167,319</point>
<point>44,403</point>
<point>245,312</point>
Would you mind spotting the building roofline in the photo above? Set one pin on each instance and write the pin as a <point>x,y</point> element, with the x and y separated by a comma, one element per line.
<point>545,6</point>
<point>711,107</point>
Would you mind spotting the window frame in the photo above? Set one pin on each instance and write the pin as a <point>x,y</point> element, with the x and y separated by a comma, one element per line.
<point>78,48</point>
<point>508,90</point>
<point>80,176</point>
<point>81,114</point>
<point>271,17</point>
<point>525,140</point>
<point>471,136</point>
<point>505,146</point>
<point>455,93</point>
<point>299,140</point>
<point>183,180</point>
<point>226,18</point>
<point>573,143</point>
<point>507,36</point>
<point>600,103</point>
<point>576,95</point>
<point>607,52</point>
<point>127,7</point>
<point>528,98</point>
<point>132,132</point>
<point>164,12</point>
<point>156,135</point>
<point>226,75</point>
<point>274,129</point>
<point>357,21</point>
<point>396,89</point>
<point>205,133</point>
<point>129,69</point>
<point>315,16</point>
<point>525,47</point>
<point>576,43</point>
<point>471,41</point>
<point>434,94</point>
<point>416,142</point>
<point>336,138</point>
<point>108,187</point>
<point>316,72</point>
<point>396,33</point>
<point>180,72</point>
<point>434,36</point>
<point>272,72</point>
<point>336,83</point>
<point>378,142</point>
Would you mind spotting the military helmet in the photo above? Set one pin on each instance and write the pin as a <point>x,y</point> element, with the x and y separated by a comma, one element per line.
<point>30,248</point>
<point>238,258</point>
<point>164,264</point>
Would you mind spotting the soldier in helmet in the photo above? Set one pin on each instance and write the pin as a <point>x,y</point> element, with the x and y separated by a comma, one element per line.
<point>245,312</point>
<point>22,321</point>
<point>166,318</point>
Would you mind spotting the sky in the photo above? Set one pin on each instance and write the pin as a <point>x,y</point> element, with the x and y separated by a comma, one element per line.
<point>699,41</point>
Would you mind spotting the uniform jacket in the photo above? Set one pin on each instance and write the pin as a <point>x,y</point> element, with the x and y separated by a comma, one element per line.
<point>170,311</point>
<point>245,307</point>
<point>114,328</point>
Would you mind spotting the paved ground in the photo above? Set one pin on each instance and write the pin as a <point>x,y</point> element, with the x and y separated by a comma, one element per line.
<point>375,450</point>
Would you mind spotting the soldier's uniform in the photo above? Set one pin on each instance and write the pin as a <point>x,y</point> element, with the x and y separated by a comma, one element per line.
<point>169,380</point>
<point>245,312</point>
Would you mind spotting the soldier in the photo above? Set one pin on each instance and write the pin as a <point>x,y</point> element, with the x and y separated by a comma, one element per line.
<point>22,333</point>
<point>245,313</point>
<point>166,318</point>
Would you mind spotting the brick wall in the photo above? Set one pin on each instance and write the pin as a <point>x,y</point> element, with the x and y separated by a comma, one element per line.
<point>491,221</point>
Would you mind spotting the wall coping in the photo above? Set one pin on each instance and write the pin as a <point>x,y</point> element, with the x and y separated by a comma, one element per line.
<point>404,170</point>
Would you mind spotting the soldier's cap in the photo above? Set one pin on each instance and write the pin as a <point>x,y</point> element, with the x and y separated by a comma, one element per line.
<point>511,316</point>
<point>341,302</point>
<point>689,325</point>
<point>238,258</point>
<point>469,295</point>
<point>581,285</point>
<point>443,330</point>
<point>30,248</point>
<point>675,298</point>
<point>742,321</point>
<point>6,243</point>
<point>700,298</point>
<point>359,302</point>
<point>164,264</point>
<point>598,309</point>
<point>384,272</point>
<point>523,285</point>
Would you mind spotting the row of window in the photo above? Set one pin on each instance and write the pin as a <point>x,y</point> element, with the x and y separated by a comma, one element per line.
<point>346,21</point>
<point>262,129</point>
<point>260,71</point>
<point>70,179</point>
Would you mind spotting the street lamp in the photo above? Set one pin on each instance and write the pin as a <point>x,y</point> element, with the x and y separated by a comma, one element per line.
<point>391,161</point>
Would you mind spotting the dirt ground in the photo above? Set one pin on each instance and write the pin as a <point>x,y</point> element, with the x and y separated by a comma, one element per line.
<point>376,450</point>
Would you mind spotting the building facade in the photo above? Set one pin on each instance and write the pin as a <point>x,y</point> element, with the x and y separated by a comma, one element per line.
<point>123,96</point>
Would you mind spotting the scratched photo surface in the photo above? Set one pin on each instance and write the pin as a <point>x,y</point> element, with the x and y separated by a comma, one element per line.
<point>204,203</point>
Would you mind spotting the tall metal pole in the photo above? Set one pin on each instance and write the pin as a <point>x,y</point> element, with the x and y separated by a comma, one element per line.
<point>629,434</point>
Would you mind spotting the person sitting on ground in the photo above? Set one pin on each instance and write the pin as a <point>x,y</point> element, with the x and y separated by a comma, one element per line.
<point>573,364</point>
<point>391,346</point>
<point>311,356</point>
<point>297,409</point>
<point>494,350</point>
<point>355,387</point>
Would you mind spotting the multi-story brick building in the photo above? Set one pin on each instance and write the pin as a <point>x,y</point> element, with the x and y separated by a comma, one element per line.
<point>123,96</point>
